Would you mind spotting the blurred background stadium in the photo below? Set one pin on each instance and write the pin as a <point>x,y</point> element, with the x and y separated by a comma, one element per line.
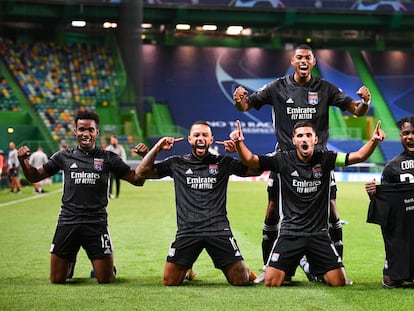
<point>151,68</point>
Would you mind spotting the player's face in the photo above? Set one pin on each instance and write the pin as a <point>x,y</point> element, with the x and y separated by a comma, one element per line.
<point>305,140</point>
<point>407,137</point>
<point>303,61</point>
<point>200,139</point>
<point>86,132</point>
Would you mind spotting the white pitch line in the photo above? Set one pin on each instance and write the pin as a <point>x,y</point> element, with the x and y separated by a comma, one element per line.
<point>29,198</point>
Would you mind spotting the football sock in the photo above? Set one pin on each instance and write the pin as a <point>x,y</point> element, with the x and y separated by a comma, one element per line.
<point>270,234</point>
<point>335,231</point>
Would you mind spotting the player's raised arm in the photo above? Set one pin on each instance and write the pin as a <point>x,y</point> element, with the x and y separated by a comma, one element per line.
<point>249,159</point>
<point>241,99</point>
<point>146,167</point>
<point>32,173</point>
<point>366,150</point>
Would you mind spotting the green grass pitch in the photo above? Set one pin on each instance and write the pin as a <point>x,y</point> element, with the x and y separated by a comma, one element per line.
<point>142,224</point>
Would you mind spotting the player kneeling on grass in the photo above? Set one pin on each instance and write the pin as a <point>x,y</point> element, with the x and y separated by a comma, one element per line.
<point>83,218</point>
<point>200,181</point>
<point>304,188</point>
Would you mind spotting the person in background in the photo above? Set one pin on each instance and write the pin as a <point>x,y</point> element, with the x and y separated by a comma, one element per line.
<point>299,96</point>
<point>396,223</point>
<point>118,149</point>
<point>37,159</point>
<point>13,163</point>
<point>200,180</point>
<point>304,186</point>
<point>82,220</point>
<point>1,162</point>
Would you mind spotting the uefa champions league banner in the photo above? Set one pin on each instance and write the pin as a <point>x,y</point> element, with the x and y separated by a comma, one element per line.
<point>198,84</point>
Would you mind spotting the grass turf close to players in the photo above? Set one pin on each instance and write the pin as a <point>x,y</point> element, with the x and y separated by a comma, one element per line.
<point>142,225</point>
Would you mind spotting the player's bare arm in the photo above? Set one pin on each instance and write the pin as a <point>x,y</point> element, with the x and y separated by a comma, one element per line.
<point>361,107</point>
<point>31,173</point>
<point>146,168</point>
<point>366,150</point>
<point>132,177</point>
<point>248,158</point>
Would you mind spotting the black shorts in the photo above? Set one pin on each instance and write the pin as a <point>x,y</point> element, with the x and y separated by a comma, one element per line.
<point>319,251</point>
<point>94,238</point>
<point>273,187</point>
<point>13,172</point>
<point>223,250</point>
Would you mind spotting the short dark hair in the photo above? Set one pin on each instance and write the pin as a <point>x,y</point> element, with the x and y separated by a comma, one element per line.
<point>87,115</point>
<point>303,123</point>
<point>409,119</point>
<point>201,122</point>
<point>303,47</point>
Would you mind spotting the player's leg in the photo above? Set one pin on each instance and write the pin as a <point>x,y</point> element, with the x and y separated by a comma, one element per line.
<point>96,240</point>
<point>174,274</point>
<point>335,224</point>
<point>64,248</point>
<point>118,186</point>
<point>226,256</point>
<point>389,284</point>
<point>182,254</point>
<point>335,277</point>
<point>324,260</point>
<point>283,260</point>
<point>60,269</point>
<point>104,269</point>
<point>270,225</point>
<point>237,274</point>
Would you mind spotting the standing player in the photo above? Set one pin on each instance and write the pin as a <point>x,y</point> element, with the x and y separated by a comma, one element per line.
<point>37,159</point>
<point>13,164</point>
<point>304,186</point>
<point>300,96</point>
<point>399,257</point>
<point>119,150</point>
<point>82,219</point>
<point>200,180</point>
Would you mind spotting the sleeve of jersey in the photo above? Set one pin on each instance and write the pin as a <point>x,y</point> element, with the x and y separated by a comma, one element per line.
<point>118,166</point>
<point>54,164</point>
<point>261,96</point>
<point>268,163</point>
<point>341,99</point>
<point>164,168</point>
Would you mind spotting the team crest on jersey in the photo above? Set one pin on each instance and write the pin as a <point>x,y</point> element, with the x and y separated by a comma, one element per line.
<point>98,164</point>
<point>213,169</point>
<point>313,98</point>
<point>317,171</point>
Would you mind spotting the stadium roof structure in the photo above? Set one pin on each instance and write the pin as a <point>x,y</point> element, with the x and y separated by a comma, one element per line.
<point>269,27</point>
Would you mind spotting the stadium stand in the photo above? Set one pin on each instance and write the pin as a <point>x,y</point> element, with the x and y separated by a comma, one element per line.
<point>57,79</point>
<point>392,70</point>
